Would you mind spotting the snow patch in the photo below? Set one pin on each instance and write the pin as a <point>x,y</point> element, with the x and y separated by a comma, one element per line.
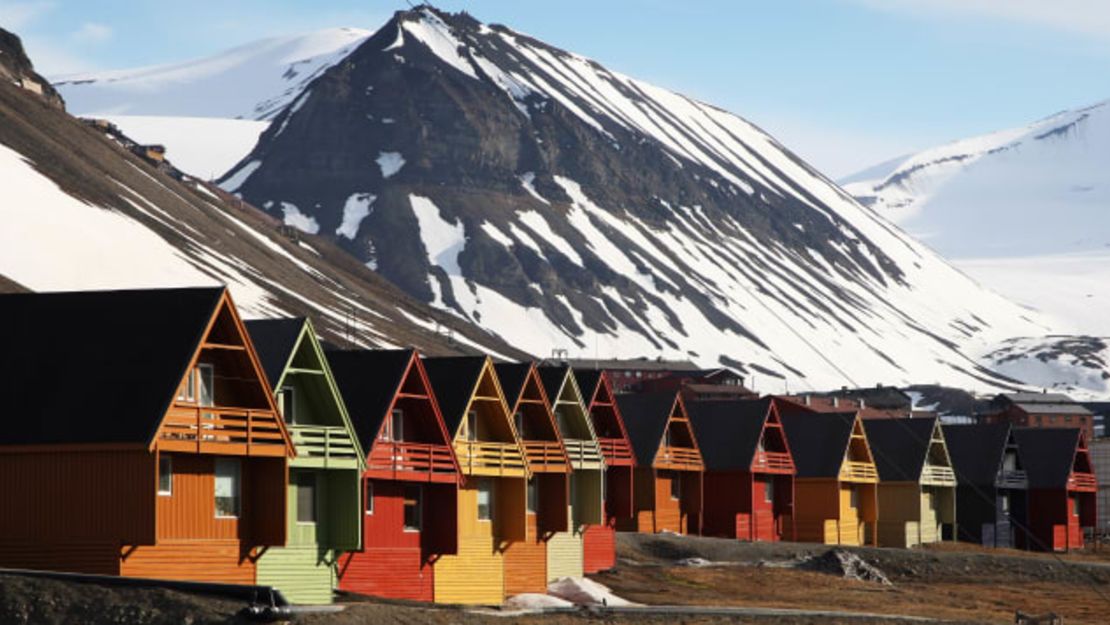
<point>292,216</point>
<point>390,163</point>
<point>527,181</point>
<point>584,591</point>
<point>434,33</point>
<point>232,184</point>
<point>355,209</point>
<point>443,240</point>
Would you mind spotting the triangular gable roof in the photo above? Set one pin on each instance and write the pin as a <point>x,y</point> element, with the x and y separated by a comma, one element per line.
<point>818,441</point>
<point>977,450</point>
<point>900,446</point>
<point>369,381</point>
<point>513,376</point>
<point>594,385</point>
<point>86,343</point>
<point>557,379</point>
<point>454,380</point>
<point>647,417</point>
<point>1047,454</point>
<point>728,431</point>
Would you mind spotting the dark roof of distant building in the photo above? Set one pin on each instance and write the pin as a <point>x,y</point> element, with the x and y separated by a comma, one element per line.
<point>1045,403</point>
<point>728,431</point>
<point>633,364</point>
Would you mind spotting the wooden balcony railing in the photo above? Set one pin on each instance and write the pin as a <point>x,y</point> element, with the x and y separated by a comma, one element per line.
<point>1082,481</point>
<point>405,457</point>
<point>545,455</point>
<point>617,451</point>
<point>220,429</point>
<point>681,458</point>
<point>488,457</point>
<point>583,453</point>
<point>1012,479</point>
<point>323,445</point>
<point>772,461</point>
<point>864,471</point>
<point>941,476</point>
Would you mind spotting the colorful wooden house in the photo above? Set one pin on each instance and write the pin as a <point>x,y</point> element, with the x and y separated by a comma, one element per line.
<point>667,482</point>
<point>1062,487</point>
<point>492,506</point>
<point>410,484</point>
<point>991,485</point>
<point>599,545</point>
<point>917,487</point>
<point>324,513</point>
<point>139,437</point>
<point>587,481</point>
<point>835,484</point>
<point>548,487</point>
<point>749,472</point>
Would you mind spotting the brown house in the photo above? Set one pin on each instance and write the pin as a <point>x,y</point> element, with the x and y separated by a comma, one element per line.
<point>1040,410</point>
<point>139,437</point>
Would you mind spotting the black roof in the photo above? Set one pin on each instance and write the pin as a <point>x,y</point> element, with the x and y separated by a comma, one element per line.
<point>645,417</point>
<point>453,380</point>
<point>818,441</point>
<point>97,366</point>
<point>728,431</point>
<point>512,376</point>
<point>553,377</point>
<point>899,446</point>
<point>588,382</point>
<point>976,451</point>
<point>274,341</point>
<point>1047,454</point>
<point>368,380</point>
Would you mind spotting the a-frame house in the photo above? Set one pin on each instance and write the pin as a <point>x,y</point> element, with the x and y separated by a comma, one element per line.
<point>586,503</point>
<point>1063,489</point>
<point>917,487</point>
<point>548,487</point>
<point>748,469</point>
<point>836,482</point>
<point>599,545</point>
<point>139,437</point>
<point>991,485</point>
<point>410,484</point>
<point>667,483</point>
<point>324,512</point>
<point>492,500</point>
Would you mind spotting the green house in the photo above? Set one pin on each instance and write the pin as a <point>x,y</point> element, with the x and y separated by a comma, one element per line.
<point>325,507</point>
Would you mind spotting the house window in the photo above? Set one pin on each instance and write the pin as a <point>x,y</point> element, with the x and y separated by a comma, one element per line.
<point>206,377</point>
<point>188,392</point>
<point>1075,506</point>
<point>472,425</point>
<point>369,498</point>
<point>414,498</point>
<point>306,497</point>
<point>769,491</point>
<point>287,405</point>
<point>853,497</point>
<point>485,499</point>
<point>676,488</point>
<point>228,483</point>
<point>165,475</point>
<point>518,419</point>
<point>533,496</point>
<point>1005,504</point>
<point>393,429</point>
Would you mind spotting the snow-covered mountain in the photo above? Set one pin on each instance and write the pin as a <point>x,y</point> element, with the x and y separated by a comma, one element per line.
<point>1038,189</point>
<point>561,205</point>
<point>81,212</point>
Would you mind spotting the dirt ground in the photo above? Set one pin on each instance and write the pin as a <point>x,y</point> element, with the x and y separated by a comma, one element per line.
<point>956,584</point>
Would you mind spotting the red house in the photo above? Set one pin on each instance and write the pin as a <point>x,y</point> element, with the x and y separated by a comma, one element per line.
<point>411,479</point>
<point>1062,487</point>
<point>599,541</point>
<point>749,470</point>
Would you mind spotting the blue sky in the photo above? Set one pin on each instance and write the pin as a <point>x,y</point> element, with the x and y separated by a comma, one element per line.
<point>845,83</point>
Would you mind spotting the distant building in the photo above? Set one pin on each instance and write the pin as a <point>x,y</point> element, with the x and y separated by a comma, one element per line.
<point>1048,410</point>
<point>1100,458</point>
<point>627,373</point>
<point>701,385</point>
<point>878,402</point>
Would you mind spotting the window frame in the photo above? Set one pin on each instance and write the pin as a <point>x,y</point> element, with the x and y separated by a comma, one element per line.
<point>417,505</point>
<point>164,472</point>
<point>472,425</point>
<point>769,491</point>
<point>315,484</point>
<point>676,488</point>
<point>288,412</point>
<point>397,425</point>
<point>237,485</point>
<point>201,368</point>
<point>485,487</point>
<point>368,503</point>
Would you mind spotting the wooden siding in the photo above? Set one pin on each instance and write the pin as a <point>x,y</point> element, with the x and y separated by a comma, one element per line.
<point>599,548</point>
<point>304,574</point>
<point>476,574</point>
<point>192,560</point>
<point>823,512</point>
<point>526,561</point>
<point>564,555</point>
<point>92,557</point>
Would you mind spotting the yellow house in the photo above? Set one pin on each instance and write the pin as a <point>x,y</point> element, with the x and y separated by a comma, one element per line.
<point>491,510</point>
<point>835,490</point>
<point>586,502</point>
<point>917,487</point>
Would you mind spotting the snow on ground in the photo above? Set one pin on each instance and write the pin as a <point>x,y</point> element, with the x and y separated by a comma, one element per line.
<point>390,163</point>
<point>432,32</point>
<point>205,147</point>
<point>443,240</point>
<point>294,217</point>
<point>355,209</point>
<point>585,591</point>
<point>1076,365</point>
<point>534,601</point>
<point>232,184</point>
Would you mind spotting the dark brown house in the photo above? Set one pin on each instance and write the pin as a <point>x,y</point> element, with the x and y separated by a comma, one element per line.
<point>1040,410</point>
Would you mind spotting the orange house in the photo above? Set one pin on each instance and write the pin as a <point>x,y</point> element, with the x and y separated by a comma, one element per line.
<point>667,482</point>
<point>139,437</point>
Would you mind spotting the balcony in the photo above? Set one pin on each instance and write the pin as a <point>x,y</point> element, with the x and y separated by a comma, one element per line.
<point>322,446</point>
<point>859,472</point>
<point>772,462</point>
<point>617,452</point>
<point>583,454</point>
<point>397,460</point>
<point>222,430</point>
<point>1012,479</point>
<point>489,458</point>
<point>545,456</point>
<point>938,476</point>
<point>1082,481</point>
<point>678,458</point>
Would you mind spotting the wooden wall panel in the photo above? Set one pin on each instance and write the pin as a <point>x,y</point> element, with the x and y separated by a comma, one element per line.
<point>191,560</point>
<point>303,573</point>
<point>476,574</point>
<point>526,562</point>
<point>391,572</point>
<point>564,555</point>
<point>599,548</point>
<point>95,558</point>
<point>190,511</point>
<point>77,497</point>
<point>265,485</point>
<point>729,499</point>
<point>668,513</point>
